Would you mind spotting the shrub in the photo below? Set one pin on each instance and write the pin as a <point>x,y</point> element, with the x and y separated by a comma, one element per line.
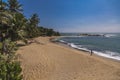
<point>9,67</point>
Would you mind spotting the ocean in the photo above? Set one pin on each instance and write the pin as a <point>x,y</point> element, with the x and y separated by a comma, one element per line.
<point>106,46</point>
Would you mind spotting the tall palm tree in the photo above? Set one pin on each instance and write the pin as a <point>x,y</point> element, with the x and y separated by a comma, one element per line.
<point>32,29</point>
<point>5,15</point>
<point>14,6</point>
<point>2,5</point>
<point>34,20</point>
<point>2,8</point>
<point>18,24</point>
<point>12,22</point>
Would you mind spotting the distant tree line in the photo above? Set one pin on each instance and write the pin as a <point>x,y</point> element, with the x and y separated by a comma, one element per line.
<point>47,32</point>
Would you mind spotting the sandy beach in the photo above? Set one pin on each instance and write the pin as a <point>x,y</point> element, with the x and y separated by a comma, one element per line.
<point>44,60</point>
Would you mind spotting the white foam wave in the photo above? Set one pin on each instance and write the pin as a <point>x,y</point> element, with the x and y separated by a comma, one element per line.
<point>62,41</point>
<point>109,54</point>
<point>78,47</point>
<point>110,35</point>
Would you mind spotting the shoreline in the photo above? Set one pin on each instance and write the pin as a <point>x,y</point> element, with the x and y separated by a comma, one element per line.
<point>86,52</point>
<point>52,61</point>
<point>97,53</point>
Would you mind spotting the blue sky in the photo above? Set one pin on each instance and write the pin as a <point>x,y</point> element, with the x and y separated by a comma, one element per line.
<point>76,15</point>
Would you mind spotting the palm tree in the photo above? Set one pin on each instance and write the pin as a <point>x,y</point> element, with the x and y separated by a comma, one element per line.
<point>32,30</point>
<point>34,20</point>
<point>14,6</point>
<point>18,21</point>
<point>2,9</point>
<point>12,22</point>
<point>18,24</point>
<point>2,5</point>
<point>5,16</point>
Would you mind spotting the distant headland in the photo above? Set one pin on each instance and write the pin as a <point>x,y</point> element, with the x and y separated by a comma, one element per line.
<point>88,34</point>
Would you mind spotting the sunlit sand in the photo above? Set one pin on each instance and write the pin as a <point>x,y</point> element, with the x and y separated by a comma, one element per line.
<point>45,60</point>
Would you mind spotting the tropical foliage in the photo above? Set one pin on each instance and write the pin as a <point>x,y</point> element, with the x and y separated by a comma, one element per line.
<point>32,26</point>
<point>47,32</point>
<point>15,26</point>
<point>9,24</point>
<point>9,67</point>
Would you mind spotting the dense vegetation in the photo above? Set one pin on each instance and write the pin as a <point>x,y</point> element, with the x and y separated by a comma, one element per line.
<point>15,26</point>
<point>47,32</point>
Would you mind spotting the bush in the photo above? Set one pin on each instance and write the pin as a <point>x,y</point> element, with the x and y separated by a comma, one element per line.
<point>9,70</point>
<point>9,67</point>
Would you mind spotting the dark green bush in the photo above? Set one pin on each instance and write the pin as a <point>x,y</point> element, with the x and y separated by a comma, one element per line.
<point>9,66</point>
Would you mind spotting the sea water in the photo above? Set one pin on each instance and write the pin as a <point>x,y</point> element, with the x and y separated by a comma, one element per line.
<point>107,46</point>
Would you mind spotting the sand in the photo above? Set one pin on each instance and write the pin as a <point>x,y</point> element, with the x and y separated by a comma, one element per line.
<point>44,60</point>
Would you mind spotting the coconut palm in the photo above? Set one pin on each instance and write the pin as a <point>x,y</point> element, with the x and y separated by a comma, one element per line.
<point>3,13</point>
<point>34,20</point>
<point>32,30</point>
<point>5,17</point>
<point>12,21</point>
<point>14,6</point>
<point>2,5</point>
<point>18,24</point>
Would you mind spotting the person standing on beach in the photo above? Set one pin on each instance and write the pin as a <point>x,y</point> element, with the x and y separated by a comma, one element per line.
<point>91,52</point>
